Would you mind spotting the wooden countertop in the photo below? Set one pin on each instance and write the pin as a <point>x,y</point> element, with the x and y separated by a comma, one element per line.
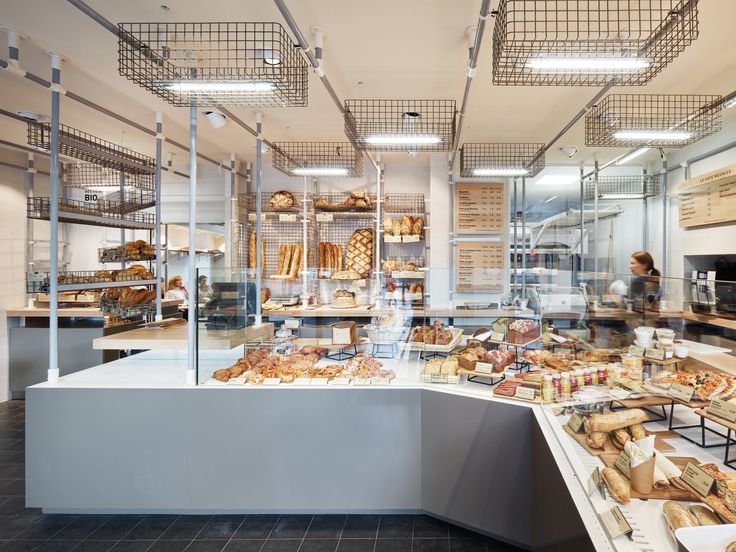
<point>614,314</point>
<point>174,337</point>
<point>365,311</point>
<point>710,319</point>
<point>67,312</point>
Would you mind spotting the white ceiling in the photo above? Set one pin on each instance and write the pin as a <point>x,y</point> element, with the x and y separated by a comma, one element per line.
<point>396,49</point>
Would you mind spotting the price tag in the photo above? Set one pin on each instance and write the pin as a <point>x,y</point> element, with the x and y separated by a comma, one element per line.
<point>380,381</point>
<point>292,323</point>
<point>525,393</point>
<point>482,337</point>
<point>361,381</point>
<point>558,338</point>
<point>615,523</point>
<point>697,479</point>
<point>237,381</point>
<point>271,381</point>
<point>723,409</point>
<point>302,381</point>
<point>654,354</point>
<point>438,378</point>
<point>319,381</point>
<point>636,350</point>
<point>575,422</point>
<point>324,341</point>
<point>484,368</point>
<point>287,218</point>
<point>391,239</point>
<point>324,217</point>
<point>252,217</point>
<point>623,463</point>
<point>341,381</point>
<point>496,336</point>
<point>681,392</point>
<point>410,239</point>
<point>595,483</point>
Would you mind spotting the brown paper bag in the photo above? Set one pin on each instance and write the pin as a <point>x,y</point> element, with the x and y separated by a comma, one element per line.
<point>642,477</point>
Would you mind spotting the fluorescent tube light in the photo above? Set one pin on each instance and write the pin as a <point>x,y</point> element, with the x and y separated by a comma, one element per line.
<point>402,139</point>
<point>317,171</point>
<point>633,155</point>
<point>500,172</point>
<point>588,64</point>
<point>730,103</point>
<point>247,86</point>
<point>621,196</point>
<point>557,180</point>
<point>660,135</point>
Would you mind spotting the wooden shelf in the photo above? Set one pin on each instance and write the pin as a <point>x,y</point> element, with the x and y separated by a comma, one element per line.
<point>710,320</point>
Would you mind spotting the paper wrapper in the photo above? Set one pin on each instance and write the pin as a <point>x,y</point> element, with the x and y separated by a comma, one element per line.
<point>642,477</point>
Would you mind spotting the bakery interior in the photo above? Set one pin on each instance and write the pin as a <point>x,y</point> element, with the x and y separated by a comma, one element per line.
<point>319,276</point>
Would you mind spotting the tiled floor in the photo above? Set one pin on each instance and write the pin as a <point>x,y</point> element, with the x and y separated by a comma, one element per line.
<point>25,530</point>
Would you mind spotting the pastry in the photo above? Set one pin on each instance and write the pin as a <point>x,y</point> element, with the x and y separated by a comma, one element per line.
<point>390,266</point>
<point>343,298</point>
<point>359,256</point>
<point>677,516</point>
<point>417,226</point>
<point>704,515</point>
<point>617,485</point>
<point>406,225</point>
<point>731,547</point>
<point>409,267</point>
<point>282,200</point>
<point>597,439</point>
<point>617,420</point>
<point>637,432</point>
<point>222,375</point>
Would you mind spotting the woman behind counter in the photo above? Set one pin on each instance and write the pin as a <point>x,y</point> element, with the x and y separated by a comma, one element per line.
<point>643,291</point>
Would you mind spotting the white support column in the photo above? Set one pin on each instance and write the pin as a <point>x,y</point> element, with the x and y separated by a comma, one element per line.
<point>582,218</point>
<point>378,288</point>
<point>192,312</point>
<point>159,141</point>
<point>665,213</point>
<point>596,193</point>
<point>53,369</point>
<point>121,188</point>
<point>259,236</point>
<point>305,243</point>
<point>515,264</point>
<point>231,218</point>
<point>30,171</point>
<point>523,237</point>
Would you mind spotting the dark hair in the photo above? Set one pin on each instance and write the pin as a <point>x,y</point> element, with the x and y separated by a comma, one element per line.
<point>201,278</point>
<point>645,258</point>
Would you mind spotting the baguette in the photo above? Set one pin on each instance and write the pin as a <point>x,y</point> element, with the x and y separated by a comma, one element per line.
<point>339,257</point>
<point>617,485</point>
<point>617,420</point>
<point>282,256</point>
<point>704,515</point>
<point>677,516</point>
<point>252,250</point>
<point>296,261</point>
<point>287,261</point>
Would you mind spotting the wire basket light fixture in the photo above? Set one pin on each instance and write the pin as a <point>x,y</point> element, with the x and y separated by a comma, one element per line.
<point>501,160</point>
<point>322,159</point>
<point>401,125</point>
<point>589,42</point>
<point>652,120</point>
<point>624,187</point>
<point>214,64</point>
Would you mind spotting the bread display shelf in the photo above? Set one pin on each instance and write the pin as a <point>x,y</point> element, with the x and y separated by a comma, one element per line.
<point>78,212</point>
<point>609,448</point>
<point>108,255</point>
<point>457,335</point>
<point>39,282</point>
<point>247,201</point>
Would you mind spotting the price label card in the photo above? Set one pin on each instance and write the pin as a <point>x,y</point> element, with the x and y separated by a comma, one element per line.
<point>380,381</point>
<point>410,239</point>
<point>723,409</point>
<point>654,354</point>
<point>636,350</point>
<point>292,323</point>
<point>623,463</point>
<point>595,483</point>
<point>438,378</point>
<point>524,393</point>
<point>483,336</point>
<point>324,217</point>
<point>484,368</point>
<point>237,381</point>
<point>324,341</point>
<point>681,392</point>
<point>319,381</point>
<point>496,336</point>
<point>341,381</point>
<point>361,381</point>
<point>287,217</point>
<point>271,381</point>
<point>615,523</point>
<point>558,338</point>
<point>388,238</point>
<point>302,381</point>
<point>575,422</point>
<point>697,479</point>
<point>252,217</point>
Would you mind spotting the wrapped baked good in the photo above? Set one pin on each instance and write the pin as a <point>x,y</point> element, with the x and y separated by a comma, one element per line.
<point>617,485</point>
<point>282,200</point>
<point>677,516</point>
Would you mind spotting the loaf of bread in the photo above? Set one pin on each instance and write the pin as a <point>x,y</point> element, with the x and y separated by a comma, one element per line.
<point>617,420</point>
<point>359,256</point>
<point>677,516</point>
<point>417,226</point>
<point>406,225</point>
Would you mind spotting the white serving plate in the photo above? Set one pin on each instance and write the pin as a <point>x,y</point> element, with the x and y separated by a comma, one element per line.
<point>713,538</point>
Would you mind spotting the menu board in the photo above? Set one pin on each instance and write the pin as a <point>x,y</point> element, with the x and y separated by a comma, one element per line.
<point>479,266</point>
<point>709,199</point>
<point>480,208</point>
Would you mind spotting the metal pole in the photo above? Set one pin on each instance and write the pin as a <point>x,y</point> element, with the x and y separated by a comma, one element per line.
<point>159,142</point>
<point>596,193</point>
<point>516,238</point>
<point>523,237</point>
<point>121,180</point>
<point>53,370</point>
<point>305,223</point>
<point>192,311</point>
<point>30,171</point>
<point>259,237</point>
<point>582,219</point>
<point>645,209</point>
<point>377,240</point>
<point>233,214</point>
<point>665,205</point>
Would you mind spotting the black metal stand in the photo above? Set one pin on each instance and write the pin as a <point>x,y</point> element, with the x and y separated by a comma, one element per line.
<point>342,354</point>
<point>498,379</point>
<point>654,416</point>
<point>703,428</point>
<point>393,350</point>
<point>425,355</point>
<point>726,460</point>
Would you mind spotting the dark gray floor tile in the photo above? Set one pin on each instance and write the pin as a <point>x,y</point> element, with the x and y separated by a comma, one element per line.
<point>356,545</point>
<point>60,545</point>
<point>12,487</point>
<point>131,546</point>
<point>396,527</point>
<point>82,527</point>
<point>169,546</point>
<point>393,545</point>
<point>257,526</point>
<point>477,544</point>
<point>498,546</point>
<point>95,546</point>
<point>246,545</point>
<point>186,527</point>
<point>151,527</point>
<point>281,545</point>
<point>361,527</point>
<point>431,545</point>
<point>291,527</point>
<point>47,527</point>
<point>319,545</point>
<point>326,526</point>
<point>12,470</point>
<point>12,457</point>
<point>207,545</point>
<point>429,528</point>
<point>21,545</point>
<point>116,528</point>
<point>461,533</point>
<point>12,525</point>
<point>221,527</point>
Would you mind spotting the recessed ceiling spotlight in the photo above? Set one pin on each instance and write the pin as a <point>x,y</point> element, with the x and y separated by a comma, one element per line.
<point>411,117</point>
<point>33,116</point>
<point>270,57</point>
